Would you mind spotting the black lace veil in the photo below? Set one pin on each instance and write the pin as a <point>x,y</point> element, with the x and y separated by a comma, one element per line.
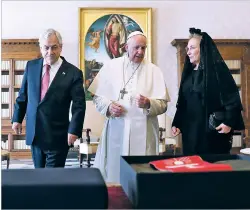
<point>214,80</point>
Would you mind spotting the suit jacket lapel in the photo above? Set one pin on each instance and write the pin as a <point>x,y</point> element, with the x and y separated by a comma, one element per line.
<point>36,75</point>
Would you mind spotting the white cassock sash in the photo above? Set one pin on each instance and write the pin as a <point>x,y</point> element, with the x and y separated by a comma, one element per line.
<point>132,126</point>
<point>135,124</point>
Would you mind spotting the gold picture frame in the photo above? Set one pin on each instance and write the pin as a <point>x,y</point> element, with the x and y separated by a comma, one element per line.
<point>103,33</point>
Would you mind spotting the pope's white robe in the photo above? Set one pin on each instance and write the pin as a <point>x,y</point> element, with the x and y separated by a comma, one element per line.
<point>137,131</point>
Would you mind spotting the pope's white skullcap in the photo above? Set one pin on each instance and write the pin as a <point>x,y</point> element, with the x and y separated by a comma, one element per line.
<point>134,33</point>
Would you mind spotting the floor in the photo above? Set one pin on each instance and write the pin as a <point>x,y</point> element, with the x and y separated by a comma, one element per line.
<point>71,162</point>
<point>28,164</point>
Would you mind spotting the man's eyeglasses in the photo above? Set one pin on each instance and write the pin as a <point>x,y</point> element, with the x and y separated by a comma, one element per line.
<point>53,48</point>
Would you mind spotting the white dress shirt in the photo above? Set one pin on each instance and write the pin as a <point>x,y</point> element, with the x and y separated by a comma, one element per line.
<point>53,69</point>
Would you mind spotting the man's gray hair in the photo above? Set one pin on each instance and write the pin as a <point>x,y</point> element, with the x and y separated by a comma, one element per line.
<point>48,33</point>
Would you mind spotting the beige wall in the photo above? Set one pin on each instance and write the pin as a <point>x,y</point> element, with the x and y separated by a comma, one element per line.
<point>171,19</point>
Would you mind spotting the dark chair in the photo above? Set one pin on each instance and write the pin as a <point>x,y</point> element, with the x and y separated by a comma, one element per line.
<point>5,155</point>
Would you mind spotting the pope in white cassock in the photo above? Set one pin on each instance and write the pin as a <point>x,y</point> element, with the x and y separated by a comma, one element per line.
<point>130,92</point>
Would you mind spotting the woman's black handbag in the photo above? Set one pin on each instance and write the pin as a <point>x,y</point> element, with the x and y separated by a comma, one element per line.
<point>215,119</point>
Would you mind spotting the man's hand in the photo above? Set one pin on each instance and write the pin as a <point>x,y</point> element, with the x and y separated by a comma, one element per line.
<point>17,127</point>
<point>222,128</point>
<point>175,131</point>
<point>115,110</point>
<point>71,139</point>
<point>142,102</point>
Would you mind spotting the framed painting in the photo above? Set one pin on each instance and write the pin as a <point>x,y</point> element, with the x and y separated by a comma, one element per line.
<point>103,33</point>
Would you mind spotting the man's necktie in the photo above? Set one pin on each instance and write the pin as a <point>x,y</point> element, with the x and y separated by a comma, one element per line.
<point>45,81</point>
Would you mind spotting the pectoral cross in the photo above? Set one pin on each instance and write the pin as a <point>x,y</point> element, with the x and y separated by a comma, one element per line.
<point>123,92</point>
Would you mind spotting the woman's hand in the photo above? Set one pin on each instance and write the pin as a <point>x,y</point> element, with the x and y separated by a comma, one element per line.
<point>175,131</point>
<point>222,128</point>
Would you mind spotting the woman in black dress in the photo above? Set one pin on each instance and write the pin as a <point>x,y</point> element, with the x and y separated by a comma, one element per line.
<point>207,86</point>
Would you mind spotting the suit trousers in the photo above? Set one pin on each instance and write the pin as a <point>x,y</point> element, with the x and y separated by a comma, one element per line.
<point>48,158</point>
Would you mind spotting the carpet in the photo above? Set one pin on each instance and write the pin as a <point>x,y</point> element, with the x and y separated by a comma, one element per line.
<point>118,199</point>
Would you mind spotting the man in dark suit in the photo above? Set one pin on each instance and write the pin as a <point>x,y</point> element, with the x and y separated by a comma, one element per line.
<point>49,86</point>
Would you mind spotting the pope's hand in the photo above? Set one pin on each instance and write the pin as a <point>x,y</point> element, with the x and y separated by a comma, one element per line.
<point>142,102</point>
<point>115,109</point>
